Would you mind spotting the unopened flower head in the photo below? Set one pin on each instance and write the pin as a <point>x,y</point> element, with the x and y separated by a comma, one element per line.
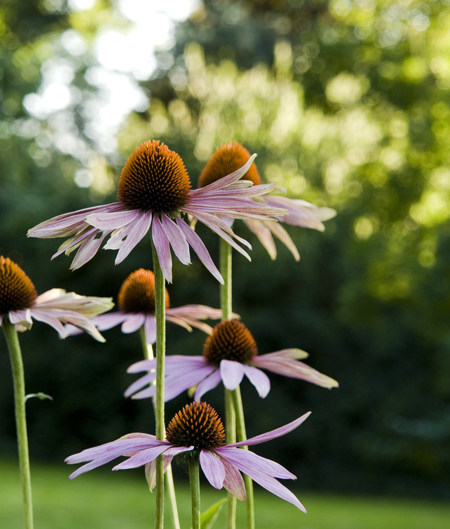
<point>197,431</point>
<point>229,353</point>
<point>19,303</point>
<point>299,213</point>
<point>136,301</point>
<point>154,193</point>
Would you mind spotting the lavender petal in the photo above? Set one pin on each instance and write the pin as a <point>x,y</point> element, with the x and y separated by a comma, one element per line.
<point>162,249</point>
<point>231,373</point>
<point>213,468</point>
<point>259,379</point>
<point>233,481</point>
<point>133,323</point>
<point>210,382</point>
<point>150,329</point>
<point>273,434</point>
<point>177,239</point>
<point>135,233</point>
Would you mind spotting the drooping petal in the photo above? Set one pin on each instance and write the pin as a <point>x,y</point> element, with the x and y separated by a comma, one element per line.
<point>47,318</point>
<point>289,367</point>
<point>231,373</point>
<point>210,382</point>
<point>162,249</point>
<point>108,321</point>
<point>245,460</point>
<point>143,457</point>
<point>150,329</point>
<point>259,379</point>
<point>284,237</point>
<point>140,383</point>
<point>273,486</point>
<point>200,249</point>
<point>112,221</point>
<point>135,233</point>
<point>88,306</point>
<point>264,235</point>
<point>297,354</point>
<point>133,323</point>
<point>22,317</point>
<point>87,250</point>
<point>177,239</point>
<point>213,468</point>
<point>233,481</point>
<point>278,432</point>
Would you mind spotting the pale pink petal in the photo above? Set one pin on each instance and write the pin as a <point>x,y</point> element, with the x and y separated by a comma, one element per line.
<point>210,382</point>
<point>259,379</point>
<point>135,233</point>
<point>231,373</point>
<point>112,221</point>
<point>244,460</point>
<point>283,430</point>
<point>226,181</point>
<point>264,235</point>
<point>200,249</point>
<point>150,329</point>
<point>233,481</point>
<point>162,249</point>
<point>87,250</point>
<point>284,237</point>
<point>177,239</point>
<point>45,317</point>
<point>213,468</point>
<point>142,457</point>
<point>133,323</point>
<point>21,316</point>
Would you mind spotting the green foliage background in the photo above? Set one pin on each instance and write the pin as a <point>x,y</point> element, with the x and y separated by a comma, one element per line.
<point>347,104</point>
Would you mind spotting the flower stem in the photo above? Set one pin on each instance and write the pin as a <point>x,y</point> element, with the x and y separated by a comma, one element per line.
<point>226,288</point>
<point>226,263</point>
<point>15,354</point>
<point>169,483</point>
<point>242,436</point>
<point>194,479</point>
<point>160,314</point>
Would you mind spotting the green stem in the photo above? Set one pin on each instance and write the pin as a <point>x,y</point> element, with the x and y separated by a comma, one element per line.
<point>160,314</point>
<point>226,288</point>
<point>226,263</point>
<point>242,436</point>
<point>194,479</point>
<point>169,483</point>
<point>15,355</point>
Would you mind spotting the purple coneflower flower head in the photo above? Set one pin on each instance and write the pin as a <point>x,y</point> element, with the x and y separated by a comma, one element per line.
<point>197,431</point>
<point>154,191</point>
<point>229,353</point>
<point>20,303</point>
<point>136,303</point>
<point>232,155</point>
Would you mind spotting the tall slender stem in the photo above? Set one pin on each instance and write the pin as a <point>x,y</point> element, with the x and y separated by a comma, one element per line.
<point>226,296</point>
<point>169,483</point>
<point>15,355</point>
<point>194,479</point>
<point>242,436</point>
<point>160,314</point>
<point>226,270</point>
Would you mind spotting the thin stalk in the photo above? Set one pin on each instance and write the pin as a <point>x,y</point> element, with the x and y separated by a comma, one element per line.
<point>194,479</point>
<point>169,483</point>
<point>226,288</point>
<point>160,314</point>
<point>226,266</point>
<point>242,436</point>
<point>15,355</point>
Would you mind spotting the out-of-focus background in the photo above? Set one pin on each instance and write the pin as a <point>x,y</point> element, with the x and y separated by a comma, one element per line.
<point>347,104</point>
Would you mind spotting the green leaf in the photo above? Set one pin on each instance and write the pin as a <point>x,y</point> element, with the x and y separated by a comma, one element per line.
<point>209,517</point>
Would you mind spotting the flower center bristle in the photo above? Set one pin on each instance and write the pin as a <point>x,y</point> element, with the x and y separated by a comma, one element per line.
<point>198,425</point>
<point>137,293</point>
<point>17,292</point>
<point>228,158</point>
<point>230,340</point>
<point>154,179</point>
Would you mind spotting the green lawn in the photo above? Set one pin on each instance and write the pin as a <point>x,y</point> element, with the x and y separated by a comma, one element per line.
<point>120,500</point>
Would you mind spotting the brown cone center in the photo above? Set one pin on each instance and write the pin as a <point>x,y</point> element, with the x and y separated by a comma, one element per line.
<point>230,340</point>
<point>198,425</point>
<point>17,292</point>
<point>228,158</point>
<point>137,293</point>
<point>154,179</point>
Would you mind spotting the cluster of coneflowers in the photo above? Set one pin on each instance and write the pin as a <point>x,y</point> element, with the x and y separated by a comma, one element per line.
<point>155,195</point>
